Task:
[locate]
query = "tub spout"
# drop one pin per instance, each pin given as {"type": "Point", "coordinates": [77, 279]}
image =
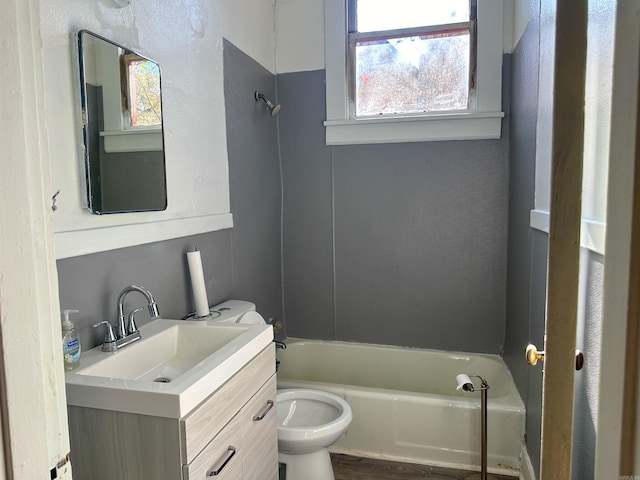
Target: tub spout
{"type": "Point", "coordinates": [280, 344]}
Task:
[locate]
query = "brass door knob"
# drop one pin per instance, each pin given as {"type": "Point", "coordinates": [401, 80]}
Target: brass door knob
{"type": "Point", "coordinates": [533, 355]}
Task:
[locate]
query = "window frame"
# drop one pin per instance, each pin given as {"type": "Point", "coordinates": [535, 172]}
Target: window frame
{"type": "Point", "coordinates": [353, 36]}
{"type": "Point", "coordinates": [482, 121]}
{"type": "Point", "coordinates": [115, 133]}
{"type": "Point", "coordinates": [129, 104]}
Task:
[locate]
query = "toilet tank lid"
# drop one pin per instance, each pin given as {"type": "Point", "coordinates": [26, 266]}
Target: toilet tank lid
{"type": "Point", "coordinates": [232, 310]}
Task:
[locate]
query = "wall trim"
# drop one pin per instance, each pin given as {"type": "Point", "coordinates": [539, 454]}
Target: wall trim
{"type": "Point", "coordinates": [84, 242]}
{"type": "Point", "coordinates": [592, 232]}
{"type": "Point", "coordinates": [425, 128]}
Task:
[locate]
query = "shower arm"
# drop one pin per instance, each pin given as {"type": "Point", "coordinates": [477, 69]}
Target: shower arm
{"type": "Point", "coordinates": [274, 109]}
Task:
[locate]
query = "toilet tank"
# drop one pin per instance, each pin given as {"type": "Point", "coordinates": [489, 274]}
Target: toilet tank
{"type": "Point", "coordinates": [237, 311]}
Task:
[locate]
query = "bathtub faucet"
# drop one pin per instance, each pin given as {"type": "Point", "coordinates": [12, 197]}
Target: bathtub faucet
{"type": "Point", "coordinates": [281, 345]}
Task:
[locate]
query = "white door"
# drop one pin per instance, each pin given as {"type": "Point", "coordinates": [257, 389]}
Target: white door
{"type": "Point", "coordinates": [564, 244]}
{"type": "Point", "coordinates": [564, 239]}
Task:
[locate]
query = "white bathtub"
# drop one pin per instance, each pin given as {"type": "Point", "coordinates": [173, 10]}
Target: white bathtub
{"type": "Point", "coordinates": [405, 404]}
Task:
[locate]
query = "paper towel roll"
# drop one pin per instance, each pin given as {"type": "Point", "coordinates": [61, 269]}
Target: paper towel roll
{"type": "Point", "coordinates": [462, 380]}
{"type": "Point", "coordinates": [197, 284]}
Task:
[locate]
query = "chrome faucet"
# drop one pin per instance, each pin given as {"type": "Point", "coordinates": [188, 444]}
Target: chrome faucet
{"type": "Point", "coordinates": [121, 331]}
{"type": "Point", "coordinates": [125, 335]}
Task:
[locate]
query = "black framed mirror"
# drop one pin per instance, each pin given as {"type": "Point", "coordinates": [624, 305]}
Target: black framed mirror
{"type": "Point", "coordinates": [122, 128]}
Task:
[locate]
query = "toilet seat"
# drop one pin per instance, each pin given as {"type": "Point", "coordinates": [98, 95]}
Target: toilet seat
{"type": "Point", "coordinates": [309, 420]}
{"type": "Point", "coordinates": [306, 413]}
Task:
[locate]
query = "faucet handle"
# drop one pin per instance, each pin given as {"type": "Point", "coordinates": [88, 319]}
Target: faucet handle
{"type": "Point", "coordinates": [109, 336]}
{"type": "Point", "coordinates": [131, 323]}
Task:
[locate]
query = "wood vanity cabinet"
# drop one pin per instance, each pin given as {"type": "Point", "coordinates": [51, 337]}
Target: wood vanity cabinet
{"type": "Point", "coordinates": [231, 435]}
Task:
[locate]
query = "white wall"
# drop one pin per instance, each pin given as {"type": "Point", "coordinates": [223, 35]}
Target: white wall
{"type": "Point", "coordinates": [249, 25]}
{"type": "Point", "coordinates": [523, 12]}
{"type": "Point", "coordinates": [300, 33]}
{"type": "Point", "coordinates": [185, 38]}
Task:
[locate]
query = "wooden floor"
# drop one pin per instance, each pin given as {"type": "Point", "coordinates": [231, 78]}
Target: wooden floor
{"type": "Point", "coordinates": [346, 467]}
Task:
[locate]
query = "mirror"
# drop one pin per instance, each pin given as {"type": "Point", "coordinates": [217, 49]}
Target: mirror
{"type": "Point", "coordinates": [121, 128]}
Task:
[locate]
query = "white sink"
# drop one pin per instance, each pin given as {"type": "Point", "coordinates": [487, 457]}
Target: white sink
{"type": "Point", "coordinates": [174, 367]}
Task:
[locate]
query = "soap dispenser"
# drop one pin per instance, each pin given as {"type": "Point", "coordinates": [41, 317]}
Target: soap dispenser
{"type": "Point", "coordinates": [71, 348]}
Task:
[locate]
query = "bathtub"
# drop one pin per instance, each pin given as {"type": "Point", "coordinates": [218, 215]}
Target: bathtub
{"type": "Point", "coordinates": [405, 404]}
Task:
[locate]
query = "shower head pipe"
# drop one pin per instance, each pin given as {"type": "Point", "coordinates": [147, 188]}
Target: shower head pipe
{"type": "Point", "coordinates": [274, 110]}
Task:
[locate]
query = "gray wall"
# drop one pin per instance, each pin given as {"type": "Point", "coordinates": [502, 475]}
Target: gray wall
{"type": "Point", "coordinates": [91, 283]}
{"type": "Point", "coordinates": [527, 260]}
{"type": "Point", "coordinates": [254, 178]}
{"type": "Point", "coordinates": [524, 116]}
{"type": "Point", "coordinates": [587, 383]}
{"type": "Point", "coordinates": [243, 263]}
{"type": "Point", "coordinates": [399, 244]}
{"type": "Point", "coordinates": [527, 274]}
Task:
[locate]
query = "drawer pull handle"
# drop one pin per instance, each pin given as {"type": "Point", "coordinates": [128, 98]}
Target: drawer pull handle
{"type": "Point", "coordinates": [214, 473]}
{"type": "Point", "coordinates": [266, 410]}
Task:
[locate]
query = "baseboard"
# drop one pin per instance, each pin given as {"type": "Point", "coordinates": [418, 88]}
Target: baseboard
{"type": "Point", "coordinates": [527, 471]}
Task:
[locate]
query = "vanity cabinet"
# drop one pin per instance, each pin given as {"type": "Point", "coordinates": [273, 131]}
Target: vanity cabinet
{"type": "Point", "coordinates": [232, 434]}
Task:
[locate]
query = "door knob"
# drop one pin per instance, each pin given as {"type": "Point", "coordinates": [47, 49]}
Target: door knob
{"type": "Point", "coordinates": [533, 355]}
{"type": "Point", "coordinates": [579, 359]}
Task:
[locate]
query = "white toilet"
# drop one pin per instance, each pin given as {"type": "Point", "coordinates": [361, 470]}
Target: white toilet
{"type": "Point", "coordinates": [309, 421]}
{"type": "Point", "coordinates": [236, 311]}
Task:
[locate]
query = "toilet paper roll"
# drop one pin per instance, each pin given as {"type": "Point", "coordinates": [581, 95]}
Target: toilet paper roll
{"type": "Point", "coordinates": [463, 379]}
{"type": "Point", "coordinates": [197, 283]}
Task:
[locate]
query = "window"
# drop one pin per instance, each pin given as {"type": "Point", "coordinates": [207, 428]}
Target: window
{"type": "Point", "coordinates": [413, 70]}
{"type": "Point", "coordinates": [132, 104]}
{"type": "Point", "coordinates": [140, 92]}
{"type": "Point", "coordinates": [410, 56]}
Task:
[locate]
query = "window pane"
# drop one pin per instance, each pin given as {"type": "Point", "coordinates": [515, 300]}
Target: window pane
{"type": "Point", "coordinates": [144, 93]}
{"type": "Point", "coordinates": [413, 74]}
{"type": "Point", "coordinates": [375, 15]}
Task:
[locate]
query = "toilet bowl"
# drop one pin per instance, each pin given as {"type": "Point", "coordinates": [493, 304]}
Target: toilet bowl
{"type": "Point", "coordinates": [309, 421]}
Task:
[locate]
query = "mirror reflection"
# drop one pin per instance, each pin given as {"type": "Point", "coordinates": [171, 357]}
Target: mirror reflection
{"type": "Point", "coordinates": [122, 128]}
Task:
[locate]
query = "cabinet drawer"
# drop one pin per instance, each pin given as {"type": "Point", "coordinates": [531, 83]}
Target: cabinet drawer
{"type": "Point", "coordinates": [221, 458]}
{"type": "Point", "coordinates": [202, 424]}
{"type": "Point", "coordinates": [260, 434]}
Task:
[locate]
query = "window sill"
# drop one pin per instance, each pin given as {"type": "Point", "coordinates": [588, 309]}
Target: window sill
{"type": "Point", "coordinates": [477, 126]}
{"type": "Point", "coordinates": [141, 140]}
{"type": "Point", "coordinates": [592, 232]}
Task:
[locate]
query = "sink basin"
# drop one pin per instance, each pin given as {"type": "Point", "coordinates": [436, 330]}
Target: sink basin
{"type": "Point", "coordinates": [166, 355]}
{"type": "Point", "coordinates": [174, 367]}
